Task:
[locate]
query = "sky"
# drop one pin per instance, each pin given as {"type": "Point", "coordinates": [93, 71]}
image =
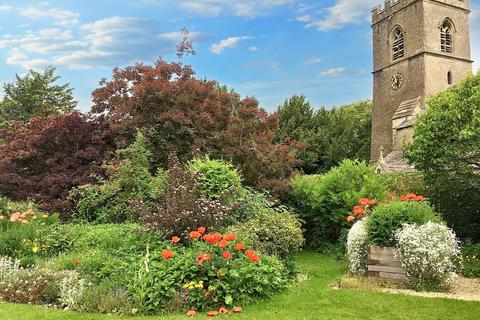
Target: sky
{"type": "Point", "coordinates": [269, 49]}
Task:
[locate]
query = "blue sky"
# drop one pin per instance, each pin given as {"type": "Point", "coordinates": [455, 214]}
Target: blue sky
{"type": "Point", "coordinates": [270, 49]}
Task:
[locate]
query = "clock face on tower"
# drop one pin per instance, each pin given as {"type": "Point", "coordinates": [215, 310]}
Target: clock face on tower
{"type": "Point", "coordinates": [397, 81]}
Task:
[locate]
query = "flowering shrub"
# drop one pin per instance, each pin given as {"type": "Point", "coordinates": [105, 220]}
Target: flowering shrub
{"type": "Point", "coordinates": [471, 260]}
{"type": "Point", "coordinates": [361, 209]}
{"type": "Point", "coordinates": [429, 253]}
{"type": "Point", "coordinates": [385, 219]}
{"type": "Point", "coordinates": [215, 270]}
{"type": "Point", "coordinates": [357, 248]}
{"type": "Point", "coordinates": [9, 270]}
{"type": "Point", "coordinates": [72, 288]}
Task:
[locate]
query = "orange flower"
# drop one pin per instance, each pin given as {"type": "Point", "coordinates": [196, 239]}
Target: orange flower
{"type": "Point", "coordinates": [350, 218]}
{"type": "Point", "coordinates": [167, 254]}
{"type": "Point", "coordinates": [206, 294]}
{"type": "Point", "coordinates": [15, 216]}
{"type": "Point", "coordinates": [191, 313]}
{"type": "Point", "coordinates": [364, 202]}
{"type": "Point", "coordinates": [237, 309]}
{"type": "Point", "coordinates": [212, 313]}
{"type": "Point", "coordinates": [239, 246]}
{"type": "Point", "coordinates": [175, 239]}
{"type": "Point", "coordinates": [76, 262]}
{"type": "Point", "coordinates": [224, 311]}
{"type": "Point", "coordinates": [202, 257]}
{"type": "Point", "coordinates": [411, 196]}
{"type": "Point", "coordinates": [226, 254]}
{"type": "Point", "coordinates": [210, 238]}
{"type": "Point", "coordinates": [201, 229]}
{"type": "Point", "coordinates": [223, 243]}
{"type": "Point", "coordinates": [403, 198]}
{"type": "Point", "coordinates": [218, 236]}
{"type": "Point", "coordinates": [372, 202]}
{"type": "Point", "coordinates": [254, 258]}
{"type": "Point", "coordinates": [358, 211]}
{"type": "Point", "coordinates": [230, 237]}
{"type": "Point", "coordinates": [195, 234]}
{"type": "Point", "coordinates": [24, 222]}
{"type": "Point", "coordinates": [249, 252]}
{"type": "Point", "coordinates": [419, 198]}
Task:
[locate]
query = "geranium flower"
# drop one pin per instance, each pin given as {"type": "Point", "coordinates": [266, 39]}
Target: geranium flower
{"type": "Point", "coordinates": [237, 309]}
{"type": "Point", "coordinates": [239, 246]}
{"type": "Point", "coordinates": [363, 202]}
{"type": "Point", "coordinates": [191, 313]}
{"type": "Point", "coordinates": [201, 229]}
{"type": "Point", "coordinates": [230, 237]}
{"type": "Point", "coordinates": [223, 311]}
{"type": "Point", "coordinates": [212, 313]}
{"type": "Point", "coordinates": [210, 238]}
{"type": "Point", "coordinates": [195, 234]}
{"type": "Point", "coordinates": [167, 254]}
{"type": "Point", "coordinates": [226, 254]}
{"type": "Point", "coordinates": [350, 218]}
{"type": "Point", "coordinates": [223, 243]}
{"type": "Point", "coordinates": [176, 239]}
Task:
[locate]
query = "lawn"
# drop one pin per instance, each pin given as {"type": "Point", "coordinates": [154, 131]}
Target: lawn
{"type": "Point", "coordinates": [311, 299]}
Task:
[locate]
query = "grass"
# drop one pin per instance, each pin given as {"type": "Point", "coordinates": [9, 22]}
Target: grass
{"type": "Point", "coordinates": [311, 299]}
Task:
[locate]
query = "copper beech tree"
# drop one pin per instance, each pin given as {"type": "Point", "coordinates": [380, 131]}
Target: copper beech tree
{"type": "Point", "coordinates": [179, 113]}
{"type": "Point", "coordinates": [44, 158]}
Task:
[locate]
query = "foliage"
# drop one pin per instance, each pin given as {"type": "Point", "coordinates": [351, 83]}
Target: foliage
{"type": "Point", "coordinates": [357, 248]}
{"type": "Point", "coordinates": [130, 180]}
{"type": "Point", "coordinates": [429, 253]}
{"type": "Point", "coordinates": [386, 219]}
{"type": "Point", "coordinates": [471, 260]}
{"type": "Point", "coordinates": [182, 206]}
{"type": "Point", "coordinates": [215, 177]}
{"type": "Point", "coordinates": [211, 272]}
{"type": "Point", "coordinates": [251, 204]}
{"type": "Point", "coordinates": [34, 94]}
{"type": "Point", "coordinates": [329, 136]}
{"type": "Point", "coordinates": [276, 233]}
{"type": "Point", "coordinates": [405, 182]}
{"type": "Point", "coordinates": [446, 149]}
{"type": "Point", "coordinates": [72, 288]}
{"type": "Point", "coordinates": [43, 159]}
{"type": "Point", "coordinates": [324, 201]}
{"type": "Point", "coordinates": [181, 114]}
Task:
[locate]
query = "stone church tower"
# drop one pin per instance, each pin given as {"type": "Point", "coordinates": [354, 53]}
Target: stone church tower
{"type": "Point", "coordinates": [420, 47]}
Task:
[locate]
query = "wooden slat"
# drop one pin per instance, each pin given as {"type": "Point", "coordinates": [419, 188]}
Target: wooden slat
{"type": "Point", "coordinates": [387, 269]}
{"type": "Point", "coordinates": [383, 264]}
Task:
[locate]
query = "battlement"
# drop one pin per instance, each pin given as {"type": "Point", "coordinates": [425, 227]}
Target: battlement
{"type": "Point", "coordinates": [391, 6]}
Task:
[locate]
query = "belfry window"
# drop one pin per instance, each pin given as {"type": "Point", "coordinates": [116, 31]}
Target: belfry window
{"type": "Point", "coordinates": [398, 44]}
{"type": "Point", "coordinates": [450, 77]}
{"type": "Point", "coordinates": [446, 37]}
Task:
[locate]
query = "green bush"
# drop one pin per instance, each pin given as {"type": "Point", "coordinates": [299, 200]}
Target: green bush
{"type": "Point", "coordinates": [324, 201]}
{"type": "Point", "coordinates": [251, 204]}
{"type": "Point", "coordinates": [185, 281]}
{"type": "Point", "coordinates": [215, 176]}
{"type": "Point", "coordinates": [385, 220]}
{"type": "Point", "coordinates": [402, 183]}
{"type": "Point", "coordinates": [109, 201]}
{"type": "Point", "coordinates": [471, 260]}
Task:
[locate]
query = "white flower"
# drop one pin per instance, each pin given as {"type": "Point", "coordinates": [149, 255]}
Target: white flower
{"type": "Point", "coordinates": [357, 248]}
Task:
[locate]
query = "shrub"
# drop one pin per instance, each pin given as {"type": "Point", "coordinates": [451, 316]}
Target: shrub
{"type": "Point", "coordinates": [212, 272]}
{"type": "Point", "coordinates": [325, 200]}
{"type": "Point", "coordinates": [182, 207]}
{"type": "Point", "coordinates": [386, 219]}
{"type": "Point", "coordinates": [429, 253]}
{"type": "Point", "coordinates": [251, 204]}
{"type": "Point", "coordinates": [109, 201]}
{"type": "Point", "coordinates": [357, 248]}
{"type": "Point", "coordinates": [276, 233]}
{"type": "Point", "coordinates": [215, 177]}
{"type": "Point", "coordinates": [72, 288]}
{"type": "Point", "coordinates": [471, 260]}
{"type": "Point", "coordinates": [405, 182]}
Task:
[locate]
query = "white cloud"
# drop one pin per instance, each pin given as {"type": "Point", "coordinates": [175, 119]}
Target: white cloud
{"type": "Point", "coordinates": [334, 72]}
{"type": "Point", "coordinates": [342, 13]}
{"type": "Point", "coordinates": [230, 42]}
{"type": "Point", "coordinates": [4, 7]}
{"type": "Point", "coordinates": [313, 61]}
{"type": "Point", "coordinates": [60, 17]}
{"type": "Point", "coordinates": [253, 49]}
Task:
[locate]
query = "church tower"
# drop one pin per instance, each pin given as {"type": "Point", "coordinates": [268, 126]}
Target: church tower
{"type": "Point", "coordinates": [420, 47]}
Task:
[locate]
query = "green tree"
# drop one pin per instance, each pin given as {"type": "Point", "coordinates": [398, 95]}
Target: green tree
{"type": "Point", "coordinates": [34, 94]}
{"type": "Point", "coordinates": [446, 149]}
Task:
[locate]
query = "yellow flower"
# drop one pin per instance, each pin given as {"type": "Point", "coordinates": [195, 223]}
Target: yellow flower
{"type": "Point", "coordinates": [35, 249]}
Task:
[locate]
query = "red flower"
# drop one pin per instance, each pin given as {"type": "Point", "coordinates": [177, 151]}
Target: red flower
{"type": "Point", "coordinates": [191, 313]}
{"type": "Point", "coordinates": [358, 211]}
{"type": "Point", "coordinates": [224, 311]}
{"type": "Point", "coordinates": [350, 218]}
{"type": "Point", "coordinates": [372, 202]}
{"type": "Point", "coordinates": [76, 262]}
{"type": "Point", "coordinates": [237, 309]}
{"type": "Point", "coordinates": [175, 239]}
{"type": "Point", "coordinates": [403, 198]}
{"type": "Point", "coordinates": [201, 229]}
{"type": "Point", "coordinates": [239, 246]}
{"type": "Point", "coordinates": [202, 257]}
{"type": "Point", "coordinates": [206, 294]}
{"type": "Point", "coordinates": [218, 236]}
{"type": "Point", "coordinates": [364, 202]}
{"type": "Point", "coordinates": [223, 243]}
{"type": "Point", "coordinates": [254, 258]}
{"type": "Point", "coordinates": [249, 253]}
{"type": "Point", "coordinates": [210, 238]}
{"type": "Point", "coordinates": [419, 198]}
{"type": "Point", "coordinates": [411, 196]}
{"type": "Point", "coordinates": [230, 237]}
{"type": "Point", "coordinates": [212, 313]}
{"type": "Point", "coordinates": [226, 254]}
{"type": "Point", "coordinates": [167, 254]}
{"type": "Point", "coordinates": [195, 234]}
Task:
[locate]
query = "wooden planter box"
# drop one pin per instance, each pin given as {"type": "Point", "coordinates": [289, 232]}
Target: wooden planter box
{"type": "Point", "coordinates": [383, 265]}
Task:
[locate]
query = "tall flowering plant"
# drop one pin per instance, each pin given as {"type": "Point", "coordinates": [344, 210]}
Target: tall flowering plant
{"type": "Point", "coordinates": [361, 209]}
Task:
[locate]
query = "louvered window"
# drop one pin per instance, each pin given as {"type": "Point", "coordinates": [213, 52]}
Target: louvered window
{"type": "Point", "coordinates": [398, 44]}
{"type": "Point", "coordinates": [446, 37]}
